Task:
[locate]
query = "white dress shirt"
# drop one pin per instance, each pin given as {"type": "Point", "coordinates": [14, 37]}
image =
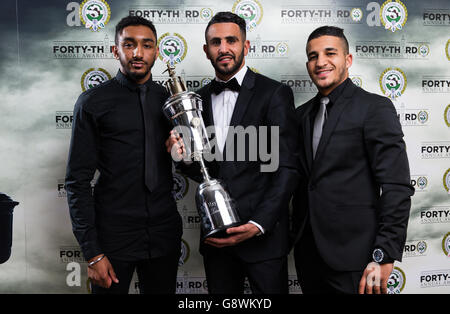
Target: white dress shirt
{"type": "Point", "coordinates": [222, 107]}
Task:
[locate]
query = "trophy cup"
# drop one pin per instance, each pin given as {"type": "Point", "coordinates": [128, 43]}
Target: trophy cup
{"type": "Point", "coordinates": [215, 206]}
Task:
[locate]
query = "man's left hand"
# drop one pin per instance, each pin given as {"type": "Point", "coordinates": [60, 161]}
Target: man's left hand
{"type": "Point", "coordinates": [375, 278]}
{"type": "Point", "coordinates": [237, 235]}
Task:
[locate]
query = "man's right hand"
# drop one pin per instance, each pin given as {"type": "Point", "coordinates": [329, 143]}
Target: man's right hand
{"type": "Point", "coordinates": [102, 273]}
{"type": "Point", "coordinates": [175, 146]}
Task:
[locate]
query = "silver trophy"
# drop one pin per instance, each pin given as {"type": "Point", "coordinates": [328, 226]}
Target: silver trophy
{"type": "Point", "coordinates": [216, 208]}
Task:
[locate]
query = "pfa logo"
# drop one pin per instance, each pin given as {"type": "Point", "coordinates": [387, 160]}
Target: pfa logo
{"type": "Point", "coordinates": [422, 116]}
{"type": "Point", "coordinates": [422, 183]}
{"type": "Point", "coordinates": [396, 281]}
{"type": "Point", "coordinates": [93, 77]}
{"type": "Point", "coordinates": [206, 14]}
{"type": "Point", "coordinates": [282, 49]}
{"type": "Point", "coordinates": [357, 80]}
{"type": "Point", "coordinates": [393, 82]}
{"type": "Point", "coordinates": [180, 186]}
{"type": "Point", "coordinates": [446, 244]}
{"type": "Point", "coordinates": [95, 14]}
{"type": "Point", "coordinates": [356, 14]}
{"type": "Point", "coordinates": [172, 48]}
{"type": "Point", "coordinates": [446, 180]}
{"type": "Point", "coordinates": [447, 49]}
{"type": "Point", "coordinates": [185, 252]}
{"type": "Point", "coordinates": [447, 115]}
{"type": "Point", "coordinates": [424, 50]}
{"type": "Point", "coordinates": [421, 247]}
{"type": "Point", "coordinates": [393, 15]}
{"type": "Point", "coordinates": [250, 10]}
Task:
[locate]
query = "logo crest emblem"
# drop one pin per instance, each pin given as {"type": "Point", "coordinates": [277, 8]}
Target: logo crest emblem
{"type": "Point", "coordinates": [95, 14]}
{"type": "Point", "coordinates": [422, 116]}
{"type": "Point", "coordinates": [356, 14]}
{"type": "Point", "coordinates": [357, 81]}
{"type": "Point", "coordinates": [424, 50]}
{"type": "Point", "coordinates": [446, 244]}
{"type": "Point", "coordinates": [93, 77]}
{"type": "Point", "coordinates": [172, 48]}
{"type": "Point", "coordinates": [447, 49]}
{"type": "Point", "coordinates": [206, 14]}
{"type": "Point", "coordinates": [180, 186]}
{"type": "Point", "coordinates": [185, 252]}
{"type": "Point", "coordinates": [205, 81]}
{"type": "Point", "coordinates": [396, 281]}
{"type": "Point", "coordinates": [393, 82]}
{"type": "Point", "coordinates": [446, 180]}
{"type": "Point", "coordinates": [393, 15]}
{"type": "Point", "coordinates": [447, 115]}
{"type": "Point", "coordinates": [422, 182]}
{"type": "Point", "coordinates": [282, 48]}
{"type": "Point", "coordinates": [250, 10]}
{"type": "Point", "coordinates": [421, 247]}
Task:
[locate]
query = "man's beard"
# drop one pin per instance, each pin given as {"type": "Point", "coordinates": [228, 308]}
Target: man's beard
{"type": "Point", "coordinates": [135, 76]}
{"type": "Point", "coordinates": [231, 70]}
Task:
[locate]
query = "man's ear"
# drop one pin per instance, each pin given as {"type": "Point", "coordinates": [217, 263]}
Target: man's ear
{"type": "Point", "coordinates": [348, 60]}
{"type": "Point", "coordinates": [115, 52]}
{"type": "Point", "coordinates": [246, 47]}
{"type": "Point", "coordinates": [205, 49]}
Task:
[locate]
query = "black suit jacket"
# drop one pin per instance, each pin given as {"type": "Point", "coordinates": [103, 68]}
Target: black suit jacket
{"type": "Point", "coordinates": [121, 218]}
{"type": "Point", "coordinates": [357, 190]}
{"type": "Point", "coordinates": [260, 196]}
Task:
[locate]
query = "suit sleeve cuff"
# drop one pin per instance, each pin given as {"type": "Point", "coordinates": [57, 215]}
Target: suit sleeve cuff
{"type": "Point", "coordinates": [261, 229]}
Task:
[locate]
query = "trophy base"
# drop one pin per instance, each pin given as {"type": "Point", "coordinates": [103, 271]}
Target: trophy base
{"type": "Point", "coordinates": [220, 232]}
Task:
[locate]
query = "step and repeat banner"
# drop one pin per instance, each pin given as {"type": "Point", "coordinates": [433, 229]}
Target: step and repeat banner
{"type": "Point", "coordinates": [55, 49]}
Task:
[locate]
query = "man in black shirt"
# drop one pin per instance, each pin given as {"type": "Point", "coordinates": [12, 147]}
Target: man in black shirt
{"type": "Point", "coordinates": [130, 221]}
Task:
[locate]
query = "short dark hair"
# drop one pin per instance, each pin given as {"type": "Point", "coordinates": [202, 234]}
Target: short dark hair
{"type": "Point", "coordinates": [329, 31]}
{"type": "Point", "coordinates": [228, 17]}
{"type": "Point", "coordinates": [132, 21]}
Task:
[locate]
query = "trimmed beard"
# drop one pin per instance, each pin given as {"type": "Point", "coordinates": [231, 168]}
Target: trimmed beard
{"type": "Point", "coordinates": [233, 69]}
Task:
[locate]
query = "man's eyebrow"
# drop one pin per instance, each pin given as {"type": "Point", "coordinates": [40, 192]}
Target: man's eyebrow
{"type": "Point", "coordinates": [326, 49]}
{"type": "Point", "coordinates": [226, 38]}
{"type": "Point", "coordinates": [134, 39]}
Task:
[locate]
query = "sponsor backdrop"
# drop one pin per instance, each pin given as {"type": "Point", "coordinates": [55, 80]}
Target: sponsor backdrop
{"type": "Point", "coordinates": [54, 49]}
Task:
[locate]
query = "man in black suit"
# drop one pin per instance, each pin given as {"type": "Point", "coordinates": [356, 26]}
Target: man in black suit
{"type": "Point", "coordinates": [130, 221]}
{"type": "Point", "coordinates": [258, 248]}
{"type": "Point", "coordinates": [352, 206]}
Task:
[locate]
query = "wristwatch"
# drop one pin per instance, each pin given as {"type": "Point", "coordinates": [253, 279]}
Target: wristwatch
{"type": "Point", "coordinates": [380, 257]}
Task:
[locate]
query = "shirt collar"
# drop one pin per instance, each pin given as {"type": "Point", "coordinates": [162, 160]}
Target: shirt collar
{"type": "Point", "coordinates": [239, 76]}
{"type": "Point", "coordinates": [335, 93]}
{"type": "Point", "coordinates": [126, 81]}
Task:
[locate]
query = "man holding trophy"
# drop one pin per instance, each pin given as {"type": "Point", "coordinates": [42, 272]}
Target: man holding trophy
{"type": "Point", "coordinates": [243, 202]}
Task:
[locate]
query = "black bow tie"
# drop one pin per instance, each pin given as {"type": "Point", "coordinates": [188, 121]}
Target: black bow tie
{"type": "Point", "coordinates": [218, 87]}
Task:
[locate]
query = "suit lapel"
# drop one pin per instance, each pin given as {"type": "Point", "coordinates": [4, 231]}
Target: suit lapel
{"type": "Point", "coordinates": [306, 125]}
{"type": "Point", "coordinates": [330, 125]}
{"type": "Point", "coordinates": [208, 117]}
{"type": "Point", "coordinates": [245, 95]}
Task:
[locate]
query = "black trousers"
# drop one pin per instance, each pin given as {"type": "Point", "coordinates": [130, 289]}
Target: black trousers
{"type": "Point", "coordinates": [315, 276]}
{"type": "Point", "coordinates": [155, 276]}
{"type": "Point", "coordinates": [226, 272]}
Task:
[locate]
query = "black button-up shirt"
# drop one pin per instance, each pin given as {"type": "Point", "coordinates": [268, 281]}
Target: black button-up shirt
{"type": "Point", "coordinates": [121, 217]}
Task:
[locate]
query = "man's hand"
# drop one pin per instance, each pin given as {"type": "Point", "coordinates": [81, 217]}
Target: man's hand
{"type": "Point", "coordinates": [102, 273]}
{"type": "Point", "coordinates": [175, 146]}
{"type": "Point", "coordinates": [237, 235]}
{"type": "Point", "coordinates": [375, 278]}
